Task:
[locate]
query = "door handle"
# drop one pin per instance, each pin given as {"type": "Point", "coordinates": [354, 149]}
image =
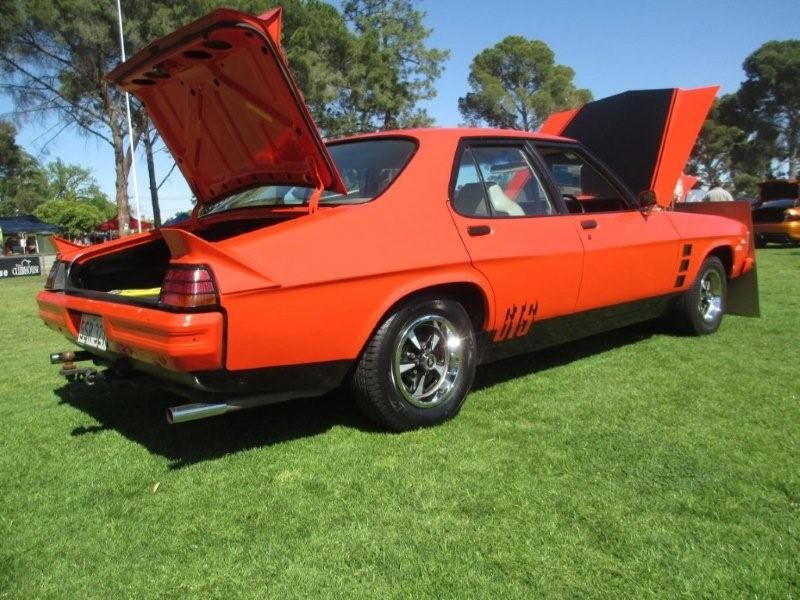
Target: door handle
{"type": "Point", "coordinates": [590, 224]}
{"type": "Point", "coordinates": [476, 230]}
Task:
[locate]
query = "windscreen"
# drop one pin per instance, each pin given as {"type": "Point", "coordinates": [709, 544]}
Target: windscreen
{"type": "Point", "coordinates": [368, 168]}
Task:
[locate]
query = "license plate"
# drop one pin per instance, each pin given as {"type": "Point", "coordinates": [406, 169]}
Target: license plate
{"type": "Point", "coordinates": [91, 332]}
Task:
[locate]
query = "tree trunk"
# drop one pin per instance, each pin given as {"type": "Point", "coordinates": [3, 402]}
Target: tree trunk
{"type": "Point", "coordinates": [151, 173]}
{"type": "Point", "coordinates": [121, 184]}
{"type": "Point", "coordinates": [121, 165]}
{"type": "Point", "coordinates": [389, 120]}
{"type": "Point", "coordinates": [793, 145]}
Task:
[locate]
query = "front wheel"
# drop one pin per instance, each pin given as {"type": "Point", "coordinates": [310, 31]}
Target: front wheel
{"type": "Point", "coordinates": [701, 308]}
{"type": "Point", "coordinates": [418, 366]}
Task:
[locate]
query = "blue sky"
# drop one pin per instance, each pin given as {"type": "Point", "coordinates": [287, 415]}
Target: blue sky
{"type": "Point", "coordinates": [612, 46]}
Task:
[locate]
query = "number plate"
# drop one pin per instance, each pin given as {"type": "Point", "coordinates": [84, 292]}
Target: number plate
{"type": "Point", "coordinates": [92, 333]}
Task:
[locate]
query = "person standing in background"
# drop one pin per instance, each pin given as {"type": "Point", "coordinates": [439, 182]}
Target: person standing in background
{"type": "Point", "coordinates": [717, 194]}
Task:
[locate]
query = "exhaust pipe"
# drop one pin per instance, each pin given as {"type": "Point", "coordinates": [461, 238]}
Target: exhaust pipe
{"type": "Point", "coordinates": [193, 412]}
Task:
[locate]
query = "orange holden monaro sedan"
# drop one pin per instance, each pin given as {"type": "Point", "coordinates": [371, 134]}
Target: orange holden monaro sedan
{"type": "Point", "coordinates": [397, 261]}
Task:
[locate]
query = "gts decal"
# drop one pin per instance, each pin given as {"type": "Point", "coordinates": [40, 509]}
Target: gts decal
{"type": "Point", "coordinates": [518, 321]}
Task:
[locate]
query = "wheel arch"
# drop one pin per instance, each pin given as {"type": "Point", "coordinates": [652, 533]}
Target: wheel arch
{"type": "Point", "coordinates": [475, 296]}
{"type": "Point", "coordinates": [469, 294]}
{"type": "Point", "coordinates": [725, 255]}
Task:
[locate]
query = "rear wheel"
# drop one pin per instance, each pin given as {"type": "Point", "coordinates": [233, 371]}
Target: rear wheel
{"type": "Point", "coordinates": [418, 366]}
{"type": "Point", "coordinates": [702, 306]}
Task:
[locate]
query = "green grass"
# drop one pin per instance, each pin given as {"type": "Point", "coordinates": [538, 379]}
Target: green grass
{"type": "Point", "coordinates": [635, 464]}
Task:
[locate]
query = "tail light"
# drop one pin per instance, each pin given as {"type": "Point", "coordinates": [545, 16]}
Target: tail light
{"type": "Point", "coordinates": [791, 217]}
{"type": "Point", "coordinates": [188, 287]}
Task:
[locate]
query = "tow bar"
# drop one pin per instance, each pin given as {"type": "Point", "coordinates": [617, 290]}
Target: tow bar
{"type": "Point", "coordinates": [72, 372]}
{"type": "Point", "coordinates": [69, 356]}
{"type": "Point", "coordinates": [175, 414]}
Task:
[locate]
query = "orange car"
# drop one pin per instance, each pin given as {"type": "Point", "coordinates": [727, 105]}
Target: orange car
{"type": "Point", "coordinates": [397, 261]}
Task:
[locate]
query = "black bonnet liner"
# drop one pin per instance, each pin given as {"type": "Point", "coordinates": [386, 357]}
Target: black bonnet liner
{"type": "Point", "coordinates": [625, 132]}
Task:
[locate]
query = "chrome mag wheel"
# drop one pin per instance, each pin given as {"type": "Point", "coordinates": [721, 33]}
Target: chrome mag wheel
{"type": "Point", "coordinates": [710, 297]}
{"type": "Point", "coordinates": [427, 361]}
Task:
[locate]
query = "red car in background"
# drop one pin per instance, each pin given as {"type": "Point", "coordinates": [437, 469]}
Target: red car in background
{"type": "Point", "coordinates": [396, 261]}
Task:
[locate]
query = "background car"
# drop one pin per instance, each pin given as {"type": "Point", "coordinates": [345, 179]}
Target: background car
{"type": "Point", "coordinates": [776, 216]}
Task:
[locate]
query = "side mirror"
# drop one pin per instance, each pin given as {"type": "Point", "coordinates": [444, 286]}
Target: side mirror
{"type": "Point", "coordinates": [646, 199]}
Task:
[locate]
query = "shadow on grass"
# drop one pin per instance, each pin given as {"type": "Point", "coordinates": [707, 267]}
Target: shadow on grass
{"type": "Point", "coordinates": [136, 409]}
{"type": "Point", "coordinates": [556, 356]}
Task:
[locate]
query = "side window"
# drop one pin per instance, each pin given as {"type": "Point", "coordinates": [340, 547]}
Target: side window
{"type": "Point", "coordinates": [469, 197]}
{"type": "Point", "coordinates": [584, 188]}
{"type": "Point", "coordinates": [500, 182]}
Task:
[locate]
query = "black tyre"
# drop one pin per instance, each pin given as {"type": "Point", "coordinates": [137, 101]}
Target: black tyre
{"type": "Point", "coordinates": [702, 306]}
{"type": "Point", "coordinates": [418, 367]}
{"type": "Point", "coordinates": [760, 242]}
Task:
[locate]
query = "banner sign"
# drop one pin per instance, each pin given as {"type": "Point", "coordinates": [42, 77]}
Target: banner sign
{"type": "Point", "coordinates": [19, 266]}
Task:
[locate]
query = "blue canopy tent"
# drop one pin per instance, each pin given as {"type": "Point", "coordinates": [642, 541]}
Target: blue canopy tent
{"type": "Point", "coordinates": [28, 225]}
{"type": "Point", "coordinates": [25, 224]}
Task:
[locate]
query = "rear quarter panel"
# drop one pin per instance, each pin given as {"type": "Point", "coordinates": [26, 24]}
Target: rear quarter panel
{"type": "Point", "coordinates": [341, 269]}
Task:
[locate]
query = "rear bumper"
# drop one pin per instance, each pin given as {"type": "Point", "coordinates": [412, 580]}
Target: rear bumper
{"type": "Point", "coordinates": [180, 342]}
{"type": "Point", "coordinates": [272, 384]}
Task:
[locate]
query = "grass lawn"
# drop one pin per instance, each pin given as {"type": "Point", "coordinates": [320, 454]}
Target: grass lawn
{"type": "Point", "coordinates": [635, 464]}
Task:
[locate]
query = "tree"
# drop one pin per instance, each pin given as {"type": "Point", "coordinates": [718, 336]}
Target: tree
{"type": "Point", "coordinates": [55, 56]}
{"type": "Point", "coordinates": [74, 218]}
{"type": "Point", "coordinates": [770, 95]}
{"type": "Point", "coordinates": [10, 152]}
{"type": "Point", "coordinates": [516, 84]}
{"type": "Point", "coordinates": [23, 184]}
{"type": "Point", "coordinates": [74, 183]}
{"type": "Point", "coordinates": [713, 156]}
{"type": "Point", "coordinates": [755, 156]}
{"type": "Point", "coordinates": [320, 50]}
{"type": "Point", "coordinates": [70, 182]}
{"type": "Point", "coordinates": [393, 69]}
{"type": "Point", "coordinates": [754, 134]}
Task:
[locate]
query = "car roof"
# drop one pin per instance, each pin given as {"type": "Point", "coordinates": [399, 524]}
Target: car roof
{"type": "Point", "coordinates": [454, 132]}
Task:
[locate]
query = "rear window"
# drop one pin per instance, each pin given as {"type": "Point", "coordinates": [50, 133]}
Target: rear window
{"type": "Point", "coordinates": [367, 168]}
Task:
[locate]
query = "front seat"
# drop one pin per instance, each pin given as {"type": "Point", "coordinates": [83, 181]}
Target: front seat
{"type": "Point", "coordinates": [502, 203]}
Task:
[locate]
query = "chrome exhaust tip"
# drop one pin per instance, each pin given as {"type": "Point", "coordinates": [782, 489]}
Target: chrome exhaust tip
{"type": "Point", "coordinates": [193, 412]}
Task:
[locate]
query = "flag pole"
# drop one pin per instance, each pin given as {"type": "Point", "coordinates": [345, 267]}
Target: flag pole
{"type": "Point", "coordinates": [130, 127]}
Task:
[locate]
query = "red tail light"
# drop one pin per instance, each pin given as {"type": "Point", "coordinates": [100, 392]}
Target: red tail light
{"type": "Point", "coordinates": [791, 217]}
{"type": "Point", "coordinates": [188, 287]}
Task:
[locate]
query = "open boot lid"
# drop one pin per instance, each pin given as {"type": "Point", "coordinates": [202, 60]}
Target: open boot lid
{"type": "Point", "coordinates": [220, 93]}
